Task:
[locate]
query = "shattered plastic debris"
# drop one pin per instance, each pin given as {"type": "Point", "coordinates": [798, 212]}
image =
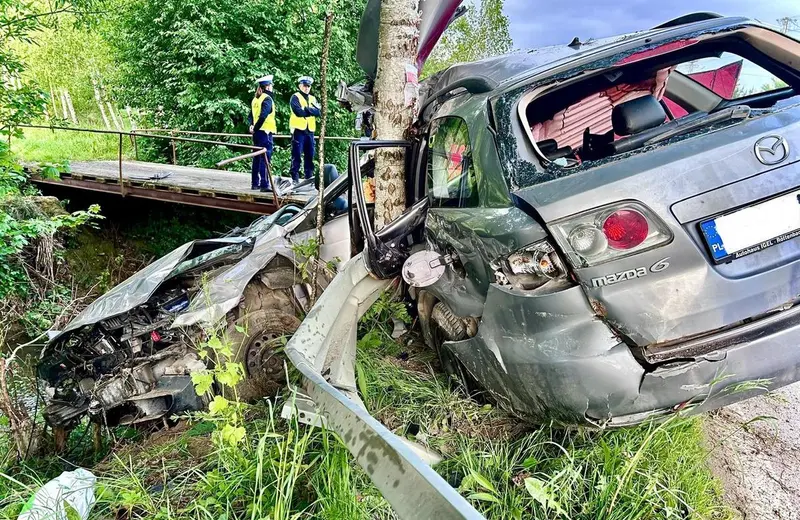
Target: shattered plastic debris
{"type": "Point", "coordinates": [399, 328]}
{"type": "Point", "coordinates": [74, 488]}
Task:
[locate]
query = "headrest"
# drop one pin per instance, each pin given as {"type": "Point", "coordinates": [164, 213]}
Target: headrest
{"type": "Point", "coordinates": [637, 115]}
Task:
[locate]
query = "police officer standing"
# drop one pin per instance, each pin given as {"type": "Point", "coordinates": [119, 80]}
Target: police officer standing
{"type": "Point", "coordinates": [302, 124]}
{"type": "Point", "coordinates": [262, 127]}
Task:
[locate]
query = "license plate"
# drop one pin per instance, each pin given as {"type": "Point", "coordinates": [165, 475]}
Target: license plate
{"type": "Point", "coordinates": [753, 229]}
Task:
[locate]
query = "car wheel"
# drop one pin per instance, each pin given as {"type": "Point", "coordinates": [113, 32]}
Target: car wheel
{"type": "Point", "coordinates": [257, 339]}
{"type": "Point", "coordinates": [444, 326]}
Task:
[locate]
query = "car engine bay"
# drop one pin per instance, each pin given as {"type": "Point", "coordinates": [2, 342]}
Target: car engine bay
{"type": "Point", "coordinates": [125, 369]}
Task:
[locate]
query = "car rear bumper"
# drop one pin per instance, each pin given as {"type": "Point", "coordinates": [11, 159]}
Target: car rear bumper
{"type": "Point", "coordinates": [550, 357]}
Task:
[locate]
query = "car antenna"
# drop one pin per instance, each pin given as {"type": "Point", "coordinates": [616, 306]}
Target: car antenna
{"type": "Point", "coordinates": [576, 42]}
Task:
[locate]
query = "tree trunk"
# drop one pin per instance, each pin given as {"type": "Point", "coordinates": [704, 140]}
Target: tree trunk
{"type": "Point", "coordinates": [64, 111]}
{"type": "Point", "coordinates": [114, 117]}
{"type": "Point", "coordinates": [395, 98]}
{"type": "Point", "coordinates": [20, 424]}
{"type": "Point", "coordinates": [130, 117]}
{"type": "Point", "coordinates": [53, 101]}
{"type": "Point", "coordinates": [70, 107]}
{"type": "Point", "coordinates": [100, 104]}
{"type": "Point", "coordinates": [323, 122]}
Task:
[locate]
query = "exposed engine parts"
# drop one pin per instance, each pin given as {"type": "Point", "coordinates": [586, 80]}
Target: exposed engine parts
{"type": "Point", "coordinates": [126, 369]}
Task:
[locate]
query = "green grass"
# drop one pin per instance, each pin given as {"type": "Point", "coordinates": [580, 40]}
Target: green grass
{"type": "Point", "coordinates": [507, 471]}
{"type": "Point", "coordinates": [646, 472]}
{"type": "Point", "coordinates": [57, 146]}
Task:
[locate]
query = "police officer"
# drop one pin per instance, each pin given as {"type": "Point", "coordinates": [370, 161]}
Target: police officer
{"type": "Point", "coordinates": [262, 127]}
{"type": "Point", "coordinates": [302, 124]}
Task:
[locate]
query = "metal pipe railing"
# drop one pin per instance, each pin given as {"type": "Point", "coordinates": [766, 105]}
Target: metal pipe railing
{"type": "Point", "coordinates": [222, 134]}
{"type": "Point", "coordinates": [257, 150]}
{"type": "Point", "coordinates": [137, 133]}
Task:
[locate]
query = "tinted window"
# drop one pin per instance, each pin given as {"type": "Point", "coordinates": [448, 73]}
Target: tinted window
{"type": "Point", "coordinates": [451, 174]}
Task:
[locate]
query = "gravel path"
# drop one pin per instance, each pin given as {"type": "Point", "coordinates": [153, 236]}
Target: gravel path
{"type": "Point", "coordinates": [756, 453]}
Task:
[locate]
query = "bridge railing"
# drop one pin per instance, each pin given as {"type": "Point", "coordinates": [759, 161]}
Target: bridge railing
{"type": "Point", "coordinates": [174, 137]}
{"type": "Point", "coordinates": [176, 132]}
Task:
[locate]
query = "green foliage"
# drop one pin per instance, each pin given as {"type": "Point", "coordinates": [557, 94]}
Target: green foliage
{"type": "Point", "coordinates": [482, 33]}
{"type": "Point", "coordinates": [57, 146]}
{"type": "Point", "coordinates": [70, 55]}
{"type": "Point", "coordinates": [21, 22]}
{"type": "Point", "coordinates": [226, 414]}
{"type": "Point", "coordinates": [191, 64]}
{"type": "Point", "coordinates": [18, 228]}
{"type": "Point", "coordinates": [306, 253]}
{"type": "Point", "coordinates": [384, 311]}
{"type": "Point", "coordinates": [21, 223]}
{"type": "Point", "coordinates": [159, 229]}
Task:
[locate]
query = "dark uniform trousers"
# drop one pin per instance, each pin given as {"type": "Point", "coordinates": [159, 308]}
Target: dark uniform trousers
{"type": "Point", "coordinates": [302, 144]}
{"type": "Point", "coordinates": [259, 173]}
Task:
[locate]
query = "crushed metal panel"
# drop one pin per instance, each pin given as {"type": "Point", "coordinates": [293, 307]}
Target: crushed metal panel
{"type": "Point", "coordinates": [569, 371]}
{"type": "Point", "coordinates": [326, 340]}
{"type": "Point", "coordinates": [134, 291]}
{"type": "Point", "coordinates": [223, 292]}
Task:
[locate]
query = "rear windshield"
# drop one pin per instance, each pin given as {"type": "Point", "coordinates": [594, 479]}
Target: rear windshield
{"type": "Point", "coordinates": [651, 98]}
{"type": "Point", "coordinates": [731, 76]}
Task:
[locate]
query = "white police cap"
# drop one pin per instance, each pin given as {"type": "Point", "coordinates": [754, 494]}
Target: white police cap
{"type": "Point", "coordinates": [265, 80]}
{"type": "Point", "coordinates": [308, 80]}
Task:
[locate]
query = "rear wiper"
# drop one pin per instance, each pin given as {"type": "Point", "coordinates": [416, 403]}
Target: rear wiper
{"type": "Point", "coordinates": [678, 127]}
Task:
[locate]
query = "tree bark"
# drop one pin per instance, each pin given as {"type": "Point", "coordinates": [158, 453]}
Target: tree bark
{"type": "Point", "coordinates": [70, 107]}
{"type": "Point", "coordinates": [100, 104]}
{"type": "Point", "coordinates": [53, 101]}
{"type": "Point", "coordinates": [114, 117]}
{"type": "Point", "coordinates": [64, 111]}
{"type": "Point", "coordinates": [395, 98]}
{"type": "Point", "coordinates": [323, 121]}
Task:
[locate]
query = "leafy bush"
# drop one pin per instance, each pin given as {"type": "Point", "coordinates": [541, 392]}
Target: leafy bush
{"type": "Point", "coordinates": [191, 64]}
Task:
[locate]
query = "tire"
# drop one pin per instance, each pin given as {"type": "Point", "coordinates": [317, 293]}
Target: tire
{"type": "Point", "coordinates": [265, 321]}
{"type": "Point", "coordinates": [444, 326]}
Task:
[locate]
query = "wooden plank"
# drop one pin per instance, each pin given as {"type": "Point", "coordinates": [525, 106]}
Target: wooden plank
{"type": "Point", "coordinates": [170, 183]}
{"type": "Point", "coordinates": [255, 207]}
{"type": "Point", "coordinates": [178, 179]}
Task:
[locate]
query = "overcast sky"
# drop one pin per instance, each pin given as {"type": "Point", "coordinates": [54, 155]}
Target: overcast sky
{"type": "Point", "coordinates": [547, 22]}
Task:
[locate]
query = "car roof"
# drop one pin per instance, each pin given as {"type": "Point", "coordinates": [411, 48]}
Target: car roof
{"type": "Point", "coordinates": [512, 68]}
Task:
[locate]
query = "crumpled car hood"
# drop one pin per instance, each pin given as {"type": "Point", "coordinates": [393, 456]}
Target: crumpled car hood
{"type": "Point", "coordinates": [220, 295]}
{"type": "Point", "coordinates": [223, 292]}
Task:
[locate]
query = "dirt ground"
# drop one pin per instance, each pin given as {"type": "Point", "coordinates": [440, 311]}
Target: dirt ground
{"type": "Point", "coordinates": [756, 453]}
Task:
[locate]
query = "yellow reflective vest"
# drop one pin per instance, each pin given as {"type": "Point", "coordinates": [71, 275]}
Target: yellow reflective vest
{"type": "Point", "coordinates": [302, 123]}
{"type": "Point", "coordinates": [269, 125]}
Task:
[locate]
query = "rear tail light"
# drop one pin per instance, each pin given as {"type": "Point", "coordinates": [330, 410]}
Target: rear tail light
{"type": "Point", "coordinates": [529, 268]}
{"type": "Point", "coordinates": [609, 233]}
{"type": "Point", "coordinates": [625, 229]}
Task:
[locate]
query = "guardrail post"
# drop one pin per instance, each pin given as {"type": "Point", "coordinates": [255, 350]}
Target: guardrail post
{"type": "Point", "coordinates": [121, 181]}
{"type": "Point", "coordinates": [174, 152]}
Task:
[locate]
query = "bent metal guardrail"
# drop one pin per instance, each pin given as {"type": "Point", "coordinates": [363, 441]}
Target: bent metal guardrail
{"type": "Point", "coordinates": [325, 343]}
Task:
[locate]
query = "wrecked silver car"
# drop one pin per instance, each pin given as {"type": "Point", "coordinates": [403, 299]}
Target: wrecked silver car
{"type": "Point", "coordinates": [611, 225]}
{"type": "Point", "coordinates": [128, 357]}
{"type": "Point", "coordinates": [598, 233]}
